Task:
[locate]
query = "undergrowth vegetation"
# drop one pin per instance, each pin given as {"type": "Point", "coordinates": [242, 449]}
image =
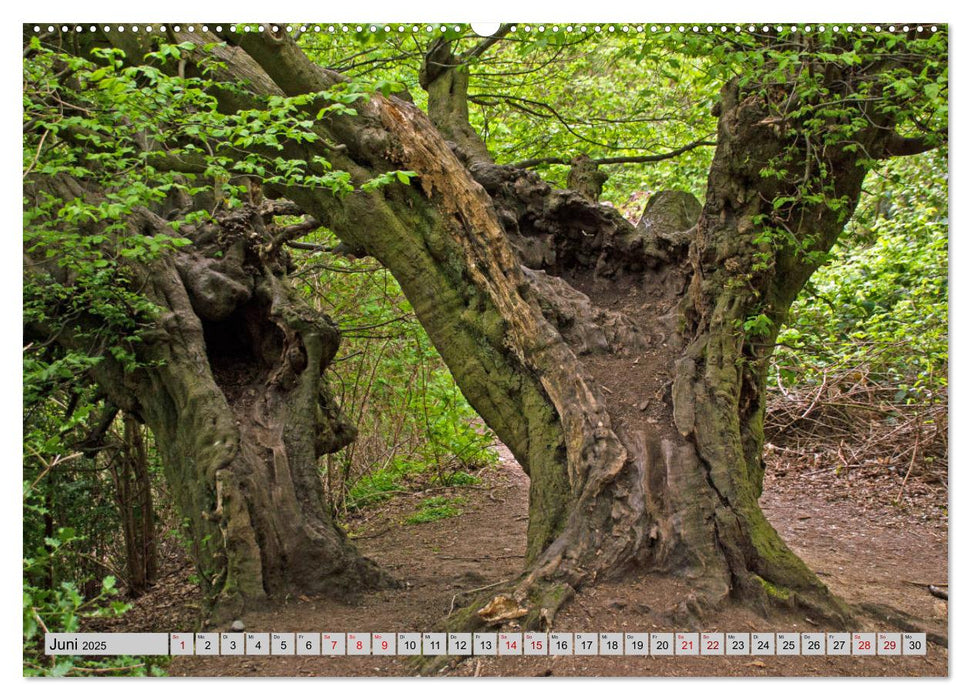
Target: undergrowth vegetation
{"type": "Point", "coordinates": [860, 374]}
{"type": "Point", "coordinates": [413, 424]}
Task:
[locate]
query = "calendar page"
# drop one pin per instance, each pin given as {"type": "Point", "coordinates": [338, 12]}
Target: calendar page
{"type": "Point", "coordinates": [448, 349]}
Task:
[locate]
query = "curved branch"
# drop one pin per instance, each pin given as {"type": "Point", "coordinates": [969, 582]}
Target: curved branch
{"type": "Point", "coordinates": [485, 44]}
{"type": "Point", "coordinates": [533, 162]}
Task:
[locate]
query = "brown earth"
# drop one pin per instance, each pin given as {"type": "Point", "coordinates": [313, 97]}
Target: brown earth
{"type": "Point", "coordinates": [842, 524]}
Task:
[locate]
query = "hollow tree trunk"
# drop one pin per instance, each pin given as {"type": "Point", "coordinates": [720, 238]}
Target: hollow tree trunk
{"type": "Point", "coordinates": [230, 382]}
{"type": "Point", "coordinates": [672, 487]}
{"type": "Point", "coordinates": [241, 413]}
{"type": "Point", "coordinates": [677, 471]}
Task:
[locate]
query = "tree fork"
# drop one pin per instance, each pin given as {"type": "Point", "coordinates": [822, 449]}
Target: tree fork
{"type": "Point", "coordinates": [634, 502]}
{"type": "Point", "coordinates": [672, 487]}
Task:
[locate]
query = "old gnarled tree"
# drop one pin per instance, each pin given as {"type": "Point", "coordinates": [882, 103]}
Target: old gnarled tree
{"type": "Point", "coordinates": [623, 365]}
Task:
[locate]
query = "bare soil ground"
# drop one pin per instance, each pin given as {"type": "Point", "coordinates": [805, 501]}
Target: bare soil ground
{"type": "Point", "coordinates": [843, 525]}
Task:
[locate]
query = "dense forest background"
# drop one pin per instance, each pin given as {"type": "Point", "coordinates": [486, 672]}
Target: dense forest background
{"type": "Point", "coordinates": [859, 376]}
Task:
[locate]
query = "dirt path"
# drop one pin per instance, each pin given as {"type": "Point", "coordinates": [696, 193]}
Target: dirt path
{"type": "Point", "coordinates": [866, 549]}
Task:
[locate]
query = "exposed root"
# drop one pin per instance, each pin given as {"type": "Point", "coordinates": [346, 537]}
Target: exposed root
{"type": "Point", "coordinates": [530, 607]}
{"type": "Point", "coordinates": [813, 600]}
{"type": "Point", "coordinates": [825, 607]}
{"type": "Point", "coordinates": [900, 620]}
{"type": "Point", "coordinates": [534, 606]}
{"type": "Point", "coordinates": [764, 597]}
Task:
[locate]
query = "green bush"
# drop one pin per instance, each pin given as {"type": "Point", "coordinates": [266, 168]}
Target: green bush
{"type": "Point", "coordinates": [879, 308]}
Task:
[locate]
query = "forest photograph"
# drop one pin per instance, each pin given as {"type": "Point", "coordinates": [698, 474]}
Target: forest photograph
{"type": "Point", "coordinates": [452, 350]}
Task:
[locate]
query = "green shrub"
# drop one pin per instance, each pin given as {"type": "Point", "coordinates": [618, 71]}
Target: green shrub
{"type": "Point", "coordinates": [879, 308]}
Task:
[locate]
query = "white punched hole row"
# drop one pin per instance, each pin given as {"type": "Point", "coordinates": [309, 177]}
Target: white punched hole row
{"type": "Point", "coordinates": [527, 28]}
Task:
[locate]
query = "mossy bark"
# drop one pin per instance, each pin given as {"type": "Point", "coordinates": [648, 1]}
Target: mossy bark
{"type": "Point", "coordinates": [230, 381]}
{"type": "Point", "coordinates": [631, 469]}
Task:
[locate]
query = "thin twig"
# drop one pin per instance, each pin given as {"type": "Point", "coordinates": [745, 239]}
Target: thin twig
{"type": "Point", "coordinates": [477, 590]}
{"type": "Point", "coordinates": [913, 459]}
{"type": "Point", "coordinates": [37, 154]}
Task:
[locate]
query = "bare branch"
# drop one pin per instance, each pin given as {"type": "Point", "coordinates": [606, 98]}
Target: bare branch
{"type": "Point", "coordinates": [287, 234]}
{"type": "Point", "coordinates": [533, 162]}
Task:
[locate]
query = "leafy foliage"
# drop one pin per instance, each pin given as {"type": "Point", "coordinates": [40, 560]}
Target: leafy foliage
{"type": "Point", "coordinates": [603, 95]}
{"type": "Point", "coordinates": [880, 305]}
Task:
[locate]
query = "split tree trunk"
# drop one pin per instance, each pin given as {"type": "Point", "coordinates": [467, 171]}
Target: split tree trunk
{"type": "Point", "coordinates": [638, 415]}
{"type": "Point", "coordinates": [614, 361]}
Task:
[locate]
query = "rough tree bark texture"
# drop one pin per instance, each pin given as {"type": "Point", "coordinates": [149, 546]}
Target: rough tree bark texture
{"type": "Point", "coordinates": [611, 359]}
{"type": "Point", "coordinates": [241, 413]}
{"type": "Point", "coordinates": [638, 416]}
{"type": "Point", "coordinates": [230, 381]}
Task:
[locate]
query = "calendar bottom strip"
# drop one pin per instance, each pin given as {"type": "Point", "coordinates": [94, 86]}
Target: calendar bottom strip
{"type": "Point", "coordinates": [488, 644]}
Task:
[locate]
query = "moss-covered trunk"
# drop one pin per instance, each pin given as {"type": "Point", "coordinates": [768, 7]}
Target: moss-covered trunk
{"type": "Point", "coordinates": [230, 381]}
{"type": "Point", "coordinates": [624, 366]}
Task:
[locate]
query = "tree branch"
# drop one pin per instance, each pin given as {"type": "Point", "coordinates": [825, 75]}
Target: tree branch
{"type": "Point", "coordinates": [899, 145]}
{"type": "Point", "coordinates": [485, 44]}
{"type": "Point", "coordinates": [287, 234]}
{"type": "Point", "coordinates": [312, 247]}
{"type": "Point", "coordinates": [533, 162]}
